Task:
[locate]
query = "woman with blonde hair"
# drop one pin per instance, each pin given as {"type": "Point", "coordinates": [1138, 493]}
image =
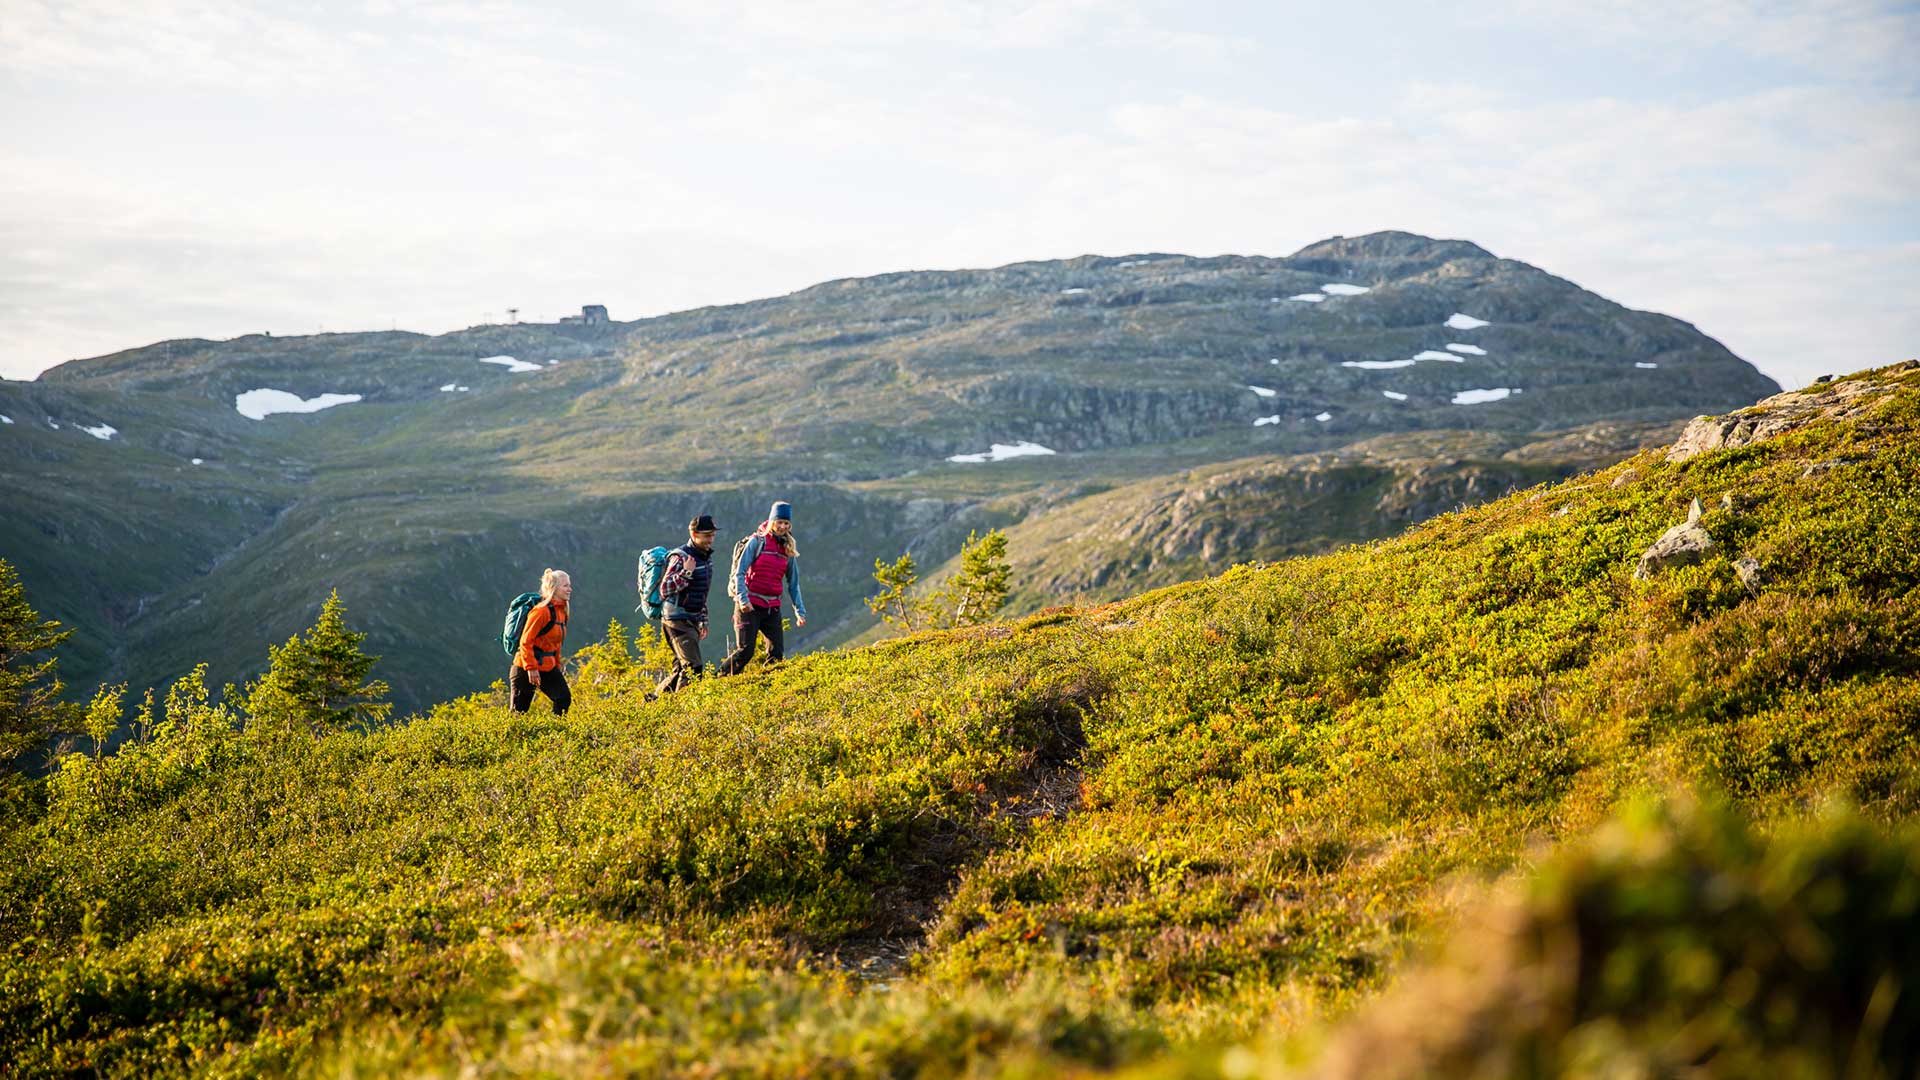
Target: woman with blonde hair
{"type": "Point", "coordinates": [538, 665]}
{"type": "Point", "coordinates": [768, 564]}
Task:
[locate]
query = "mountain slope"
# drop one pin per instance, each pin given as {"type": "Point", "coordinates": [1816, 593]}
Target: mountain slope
{"type": "Point", "coordinates": [439, 502]}
{"type": "Point", "coordinates": [1191, 524]}
{"type": "Point", "coordinates": [1197, 812]}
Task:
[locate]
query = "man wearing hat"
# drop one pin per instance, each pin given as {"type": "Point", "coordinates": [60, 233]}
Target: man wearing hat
{"type": "Point", "coordinates": [766, 565]}
{"type": "Point", "coordinates": [683, 603]}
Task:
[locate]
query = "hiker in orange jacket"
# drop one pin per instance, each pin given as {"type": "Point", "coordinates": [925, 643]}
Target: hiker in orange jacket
{"type": "Point", "coordinates": [538, 665]}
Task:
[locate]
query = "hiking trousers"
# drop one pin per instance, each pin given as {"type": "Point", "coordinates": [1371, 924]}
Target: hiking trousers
{"type": "Point", "coordinates": [748, 625]}
{"type": "Point", "coordinates": [552, 683]}
{"type": "Point", "coordinates": [684, 637]}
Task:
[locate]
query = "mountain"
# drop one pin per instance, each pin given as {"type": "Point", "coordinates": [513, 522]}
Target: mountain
{"type": "Point", "coordinates": [452, 481]}
{"type": "Point", "coordinates": [1641, 745]}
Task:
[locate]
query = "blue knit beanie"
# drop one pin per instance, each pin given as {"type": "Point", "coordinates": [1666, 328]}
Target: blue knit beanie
{"type": "Point", "coordinates": [782, 511]}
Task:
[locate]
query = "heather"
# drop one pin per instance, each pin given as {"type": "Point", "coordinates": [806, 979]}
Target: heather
{"type": "Point", "coordinates": [1187, 832]}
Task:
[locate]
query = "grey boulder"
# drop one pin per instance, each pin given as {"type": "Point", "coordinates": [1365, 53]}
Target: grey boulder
{"type": "Point", "coordinates": [1681, 545]}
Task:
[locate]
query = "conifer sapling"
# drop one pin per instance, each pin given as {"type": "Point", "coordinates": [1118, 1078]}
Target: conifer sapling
{"type": "Point", "coordinates": [319, 681]}
{"type": "Point", "coordinates": [31, 711]}
{"type": "Point", "coordinates": [892, 603]}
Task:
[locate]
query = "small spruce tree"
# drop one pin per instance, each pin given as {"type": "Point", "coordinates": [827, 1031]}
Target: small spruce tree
{"type": "Point", "coordinates": [31, 711]}
{"type": "Point", "coordinates": [319, 681]}
{"type": "Point", "coordinates": [974, 595]}
{"type": "Point", "coordinates": [893, 603]}
{"type": "Point", "coordinates": [979, 590]}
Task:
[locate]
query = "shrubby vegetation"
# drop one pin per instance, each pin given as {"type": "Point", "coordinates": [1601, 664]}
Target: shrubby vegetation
{"type": "Point", "coordinates": [1675, 939]}
{"type": "Point", "coordinates": [1172, 834]}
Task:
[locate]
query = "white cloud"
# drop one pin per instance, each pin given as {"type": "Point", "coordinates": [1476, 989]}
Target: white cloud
{"type": "Point", "coordinates": [1850, 39]}
{"type": "Point", "coordinates": [1027, 24]}
{"type": "Point", "coordinates": [176, 42]}
{"type": "Point", "coordinates": [447, 160]}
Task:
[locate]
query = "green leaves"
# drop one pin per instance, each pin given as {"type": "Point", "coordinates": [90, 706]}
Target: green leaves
{"type": "Point", "coordinates": [103, 716]}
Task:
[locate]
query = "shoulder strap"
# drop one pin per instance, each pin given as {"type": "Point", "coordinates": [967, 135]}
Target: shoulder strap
{"type": "Point", "coordinates": [552, 621]}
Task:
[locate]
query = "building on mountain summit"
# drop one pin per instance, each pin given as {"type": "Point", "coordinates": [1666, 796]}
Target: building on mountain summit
{"type": "Point", "coordinates": [590, 315]}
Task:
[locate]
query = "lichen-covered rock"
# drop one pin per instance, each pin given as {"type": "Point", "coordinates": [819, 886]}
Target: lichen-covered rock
{"type": "Point", "coordinates": [1681, 545]}
{"type": "Point", "coordinates": [1747, 569]}
{"type": "Point", "coordinates": [1774, 416]}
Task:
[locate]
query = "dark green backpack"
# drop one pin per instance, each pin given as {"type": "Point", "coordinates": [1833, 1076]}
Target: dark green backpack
{"type": "Point", "coordinates": [517, 620]}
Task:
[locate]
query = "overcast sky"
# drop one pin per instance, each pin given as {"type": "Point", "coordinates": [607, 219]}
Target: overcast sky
{"type": "Point", "coordinates": [182, 169]}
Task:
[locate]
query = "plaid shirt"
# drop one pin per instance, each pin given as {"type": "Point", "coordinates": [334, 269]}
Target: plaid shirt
{"type": "Point", "coordinates": [679, 572]}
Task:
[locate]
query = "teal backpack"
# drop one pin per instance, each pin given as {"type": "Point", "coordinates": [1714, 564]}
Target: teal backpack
{"type": "Point", "coordinates": [653, 567]}
{"type": "Point", "coordinates": [517, 620]}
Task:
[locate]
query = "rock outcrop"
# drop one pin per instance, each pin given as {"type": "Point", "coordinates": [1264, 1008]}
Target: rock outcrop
{"type": "Point", "coordinates": [1681, 545]}
{"type": "Point", "coordinates": [1779, 414]}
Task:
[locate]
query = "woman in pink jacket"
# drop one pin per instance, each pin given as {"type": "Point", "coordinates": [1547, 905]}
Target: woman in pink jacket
{"type": "Point", "coordinates": [768, 566]}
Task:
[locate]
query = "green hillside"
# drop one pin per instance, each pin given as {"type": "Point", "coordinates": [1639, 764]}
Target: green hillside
{"type": "Point", "coordinates": [1187, 525]}
{"type": "Point", "coordinates": [1180, 834]}
{"type": "Point", "coordinates": [454, 481]}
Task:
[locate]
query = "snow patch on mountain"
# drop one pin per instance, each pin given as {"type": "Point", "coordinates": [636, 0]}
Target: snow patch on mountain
{"type": "Point", "coordinates": [264, 402]}
{"type": "Point", "coordinates": [1003, 451]}
{"type": "Point", "coordinates": [513, 366]}
{"type": "Point", "coordinates": [1481, 397]}
{"type": "Point", "coordinates": [1460, 320]}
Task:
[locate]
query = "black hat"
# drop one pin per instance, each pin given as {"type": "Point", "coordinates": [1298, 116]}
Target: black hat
{"type": "Point", "coordinates": [703, 523]}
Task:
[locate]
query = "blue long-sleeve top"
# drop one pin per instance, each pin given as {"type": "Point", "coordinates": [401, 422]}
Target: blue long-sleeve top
{"type": "Point", "coordinates": [755, 545]}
